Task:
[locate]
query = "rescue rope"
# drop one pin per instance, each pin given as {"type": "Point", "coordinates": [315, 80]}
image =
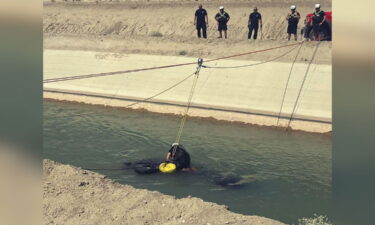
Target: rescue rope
{"type": "Point", "coordinates": [254, 64]}
{"type": "Point", "coordinates": [252, 52]}
{"type": "Point", "coordinates": [162, 92]}
{"type": "Point", "coordinates": [287, 84]}
{"type": "Point", "coordinates": [184, 117]}
{"type": "Point", "coordinates": [111, 73]}
{"type": "Point", "coordinates": [135, 103]}
{"type": "Point", "coordinates": [303, 82]}
{"type": "Point", "coordinates": [175, 85]}
{"type": "Point", "coordinates": [51, 80]}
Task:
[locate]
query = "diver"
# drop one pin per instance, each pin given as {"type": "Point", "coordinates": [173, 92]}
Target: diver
{"type": "Point", "coordinates": [178, 159]}
{"type": "Point", "coordinates": [178, 155]}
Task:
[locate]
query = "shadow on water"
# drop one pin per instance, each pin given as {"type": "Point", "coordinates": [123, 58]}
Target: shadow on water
{"type": "Point", "coordinates": [284, 176]}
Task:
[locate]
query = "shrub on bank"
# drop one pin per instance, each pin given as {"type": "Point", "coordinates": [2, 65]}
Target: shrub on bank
{"type": "Point", "coordinates": [183, 52]}
{"type": "Point", "coordinates": [316, 220]}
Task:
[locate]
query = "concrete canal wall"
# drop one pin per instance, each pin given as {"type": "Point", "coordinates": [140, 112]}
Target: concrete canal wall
{"type": "Point", "coordinates": [249, 94]}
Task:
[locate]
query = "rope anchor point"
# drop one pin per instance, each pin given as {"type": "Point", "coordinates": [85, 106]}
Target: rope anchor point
{"type": "Point", "coordinates": [200, 62]}
{"type": "Point", "coordinates": [200, 65]}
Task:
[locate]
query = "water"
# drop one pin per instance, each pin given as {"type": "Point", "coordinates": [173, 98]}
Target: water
{"type": "Point", "coordinates": [292, 170]}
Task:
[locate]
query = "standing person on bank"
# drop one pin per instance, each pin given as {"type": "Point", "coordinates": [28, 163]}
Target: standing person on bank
{"type": "Point", "coordinates": [222, 18]}
{"type": "Point", "coordinates": [293, 19]}
{"type": "Point", "coordinates": [318, 20]}
{"type": "Point", "coordinates": [201, 21]}
{"type": "Point", "coordinates": [255, 19]}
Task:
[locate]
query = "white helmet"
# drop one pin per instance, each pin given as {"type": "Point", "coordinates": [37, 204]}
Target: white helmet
{"type": "Point", "coordinates": [221, 7]}
{"type": "Point", "coordinates": [175, 144]}
{"type": "Point", "coordinates": [293, 7]}
{"type": "Point", "coordinates": [317, 6]}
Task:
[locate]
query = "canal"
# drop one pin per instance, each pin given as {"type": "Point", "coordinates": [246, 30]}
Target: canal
{"type": "Point", "coordinates": [286, 176]}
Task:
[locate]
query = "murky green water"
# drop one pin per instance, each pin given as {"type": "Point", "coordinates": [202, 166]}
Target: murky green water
{"type": "Point", "coordinates": [292, 170]}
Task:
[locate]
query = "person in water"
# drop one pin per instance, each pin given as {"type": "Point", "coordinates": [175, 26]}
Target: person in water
{"type": "Point", "coordinates": [178, 155]}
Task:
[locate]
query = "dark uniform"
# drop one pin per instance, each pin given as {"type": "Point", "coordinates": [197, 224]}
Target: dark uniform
{"type": "Point", "coordinates": [293, 19]}
{"type": "Point", "coordinates": [254, 24]}
{"type": "Point", "coordinates": [222, 18]}
{"type": "Point", "coordinates": [201, 22]}
{"type": "Point", "coordinates": [317, 18]}
{"type": "Point", "coordinates": [181, 157]}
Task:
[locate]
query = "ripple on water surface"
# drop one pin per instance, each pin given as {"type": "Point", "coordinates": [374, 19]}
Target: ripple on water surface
{"type": "Point", "coordinates": [292, 171]}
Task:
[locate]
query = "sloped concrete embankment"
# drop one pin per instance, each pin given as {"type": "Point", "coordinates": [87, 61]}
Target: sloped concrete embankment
{"type": "Point", "coordinates": [251, 95]}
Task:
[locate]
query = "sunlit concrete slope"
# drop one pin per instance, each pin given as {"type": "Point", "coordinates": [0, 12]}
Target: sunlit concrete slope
{"type": "Point", "coordinates": [248, 94]}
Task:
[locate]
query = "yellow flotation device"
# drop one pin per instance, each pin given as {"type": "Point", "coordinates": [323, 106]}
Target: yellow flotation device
{"type": "Point", "coordinates": [167, 167]}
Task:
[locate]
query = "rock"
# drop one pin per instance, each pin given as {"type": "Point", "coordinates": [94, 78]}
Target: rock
{"type": "Point", "coordinates": [83, 184]}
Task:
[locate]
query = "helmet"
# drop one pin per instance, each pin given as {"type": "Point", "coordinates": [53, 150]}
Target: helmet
{"type": "Point", "coordinates": [221, 7]}
{"type": "Point", "coordinates": [317, 6]}
{"type": "Point", "coordinates": [293, 7]}
{"type": "Point", "coordinates": [175, 144]}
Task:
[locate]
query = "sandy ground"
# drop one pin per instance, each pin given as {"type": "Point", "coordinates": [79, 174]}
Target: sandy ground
{"type": "Point", "coordinates": [166, 28]}
{"type": "Point", "coordinates": [73, 196]}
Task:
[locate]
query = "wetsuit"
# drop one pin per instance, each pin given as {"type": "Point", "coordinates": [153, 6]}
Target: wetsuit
{"type": "Point", "coordinates": [181, 158]}
{"type": "Point", "coordinates": [293, 19]}
{"type": "Point", "coordinates": [201, 22]}
{"type": "Point", "coordinates": [254, 24]}
{"type": "Point", "coordinates": [222, 18]}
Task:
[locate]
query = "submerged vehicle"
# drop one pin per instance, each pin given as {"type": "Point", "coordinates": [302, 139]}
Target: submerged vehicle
{"type": "Point", "coordinates": [152, 166]}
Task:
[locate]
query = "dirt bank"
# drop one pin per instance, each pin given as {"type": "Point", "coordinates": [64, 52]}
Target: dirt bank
{"type": "Point", "coordinates": [166, 28]}
{"type": "Point", "coordinates": [74, 196]}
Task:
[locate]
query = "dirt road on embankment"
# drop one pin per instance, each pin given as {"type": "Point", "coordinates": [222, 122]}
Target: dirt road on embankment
{"type": "Point", "coordinates": [74, 196]}
{"type": "Point", "coordinates": [166, 28]}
